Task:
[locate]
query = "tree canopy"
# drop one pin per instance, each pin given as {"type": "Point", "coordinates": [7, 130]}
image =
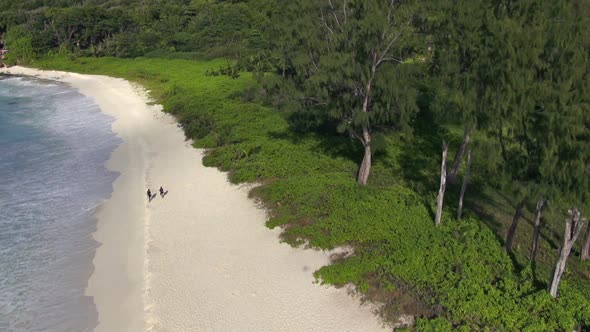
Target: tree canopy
{"type": "Point", "coordinates": [345, 59]}
{"type": "Point", "coordinates": [128, 28]}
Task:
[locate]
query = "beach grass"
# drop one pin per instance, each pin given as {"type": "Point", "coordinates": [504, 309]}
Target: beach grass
{"type": "Point", "coordinates": [456, 276]}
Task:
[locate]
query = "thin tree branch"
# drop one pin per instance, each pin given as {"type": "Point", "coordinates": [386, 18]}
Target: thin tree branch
{"type": "Point", "coordinates": [313, 62]}
{"type": "Point", "coordinates": [392, 59]}
{"type": "Point", "coordinates": [357, 89]}
{"type": "Point", "coordinates": [384, 53]}
{"type": "Point", "coordinates": [334, 13]}
{"type": "Point", "coordinates": [355, 135]}
{"type": "Point", "coordinates": [324, 22]}
{"type": "Point", "coordinates": [317, 101]}
{"type": "Point", "coordinates": [388, 17]}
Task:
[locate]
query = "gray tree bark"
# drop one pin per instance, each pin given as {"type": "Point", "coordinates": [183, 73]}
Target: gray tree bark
{"type": "Point", "coordinates": [535, 244]}
{"type": "Point", "coordinates": [585, 255]}
{"type": "Point", "coordinates": [365, 169]}
{"type": "Point", "coordinates": [514, 225]}
{"type": "Point", "coordinates": [573, 228]}
{"type": "Point", "coordinates": [452, 177]}
{"type": "Point", "coordinates": [464, 185]}
{"type": "Point", "coordinates": [443, 185]}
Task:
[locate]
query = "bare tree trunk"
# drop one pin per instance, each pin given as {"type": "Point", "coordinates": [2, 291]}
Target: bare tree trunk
{"type": "Point", "coordinates": [452, 177]}
{"type": "Point", "coordinates": [585, 254]}
{"type": "Point", "coordinates": [573, 228]}
{"type": "Point", "coordinates": [365, 169]}
{"type": "Point", "coordinates": [443, 185]}
{"type": "Point", "coordinates": [464, 185]}
{"type": "Point", "coordinates": [515, 220]}
{"type": "Point", "coordinates": [535, 244]}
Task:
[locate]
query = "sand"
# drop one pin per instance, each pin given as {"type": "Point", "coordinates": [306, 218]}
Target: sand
{"type": "Point", "coordinates": [199, 259]}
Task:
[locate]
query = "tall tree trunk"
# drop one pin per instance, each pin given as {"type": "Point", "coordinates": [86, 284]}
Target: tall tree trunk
{"type": "Point", "coordinates": [452, 177]}
{"type": "Point", "coordinates": [443, 185]}
{"type": "Point", "coordinates": [365, 169]}
{"type": "Point", "coordinates": [464, 186]}
{"type": "Point", "coordinates": [515, 220]}
{"type": "Point", "coordinates": [535, 244]}
{"type": "Point", "coordinates": [585, 255]}
{"type": "Point", "coordinates": [573, 228]}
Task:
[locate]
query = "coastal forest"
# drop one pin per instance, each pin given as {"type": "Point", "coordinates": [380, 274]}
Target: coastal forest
{"type": "Point", "coordinates": [444, 144]}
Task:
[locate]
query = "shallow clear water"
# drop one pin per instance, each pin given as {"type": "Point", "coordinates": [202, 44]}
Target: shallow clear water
{"type": "Point", "coordinates": [53, 146]}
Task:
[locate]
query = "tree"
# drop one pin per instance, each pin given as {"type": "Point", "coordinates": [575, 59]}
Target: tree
{"type": "Point", "coordinates": [20, 49]}
{"type": "Point", "coordinates": [443, 185]}
{"type": "Point", "coordinates": [573, 228]}
{"type": "Point", "coordinates": [64, 23]}
{"type": "Point", "coordinates": [347, 58]}
{"type": "Point", "coordinates": [540, 119]}
{"type": "Point", "coordinates": [512, 229]}
{"type": "Point", "coordinates": [465, 36]}
{"type": "Point", "coordinates": [459, 52]}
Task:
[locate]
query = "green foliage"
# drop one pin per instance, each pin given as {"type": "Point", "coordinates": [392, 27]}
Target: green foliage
{"type": "Point", "coordinates": [459, 268]}
{"type": "Point", "coordinates": [134, 28]}
{"type": "Point", "coordinates": [512, 71]}
{"type": "Point", "coordinates": [344, 61]}
{"type": "Point", "coordinates": [434, 325]}
{"type": "Point", "coordinates": [230, 70]}
{"type": "Point", "coordinates": [21, 50]}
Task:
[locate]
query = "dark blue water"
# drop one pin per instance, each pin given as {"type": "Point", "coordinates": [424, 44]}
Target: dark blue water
{"type": "Point", "coordinates": [53, 146]}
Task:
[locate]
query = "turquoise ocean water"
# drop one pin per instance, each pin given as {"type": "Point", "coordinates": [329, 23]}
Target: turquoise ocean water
{"type": "Point", "coordinates": [53, 146]}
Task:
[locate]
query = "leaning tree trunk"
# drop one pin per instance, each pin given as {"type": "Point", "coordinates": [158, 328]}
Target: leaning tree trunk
{"type": "Point", "coordinates": [585, 255]}
{"type": "Point", "coordinates": [515, 220]}
{"type": "Point", "coordinates": [573, 228]}
{"type": "Point", "coordinates": [452, 177]}
{"type": "Point", "coordinates": [535, 244]}
{"type": "Point", "coordinates": [365, 169]}
{"type": "Point", "coordinates": [464, 186]}
{"type": "Point", "coordinates": [443, 185]}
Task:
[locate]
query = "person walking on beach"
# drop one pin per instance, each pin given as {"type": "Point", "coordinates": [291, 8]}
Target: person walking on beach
{"type": "Point", "coordinates": [149, 193]}
{"type": "Point", "coordinates": [161, 192]}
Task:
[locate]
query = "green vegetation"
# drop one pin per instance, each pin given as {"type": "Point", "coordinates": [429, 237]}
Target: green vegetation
{"type": "Point", "coordinates": [22, 51]}
{"type": "Point", "coordinates": [303, 82]}
{"type": "Point", "coordinates": [457, 274]}
{"type": "Point", "coordinates": [362, 83]}
{"type": "Point", "coordinates": [124, 28]}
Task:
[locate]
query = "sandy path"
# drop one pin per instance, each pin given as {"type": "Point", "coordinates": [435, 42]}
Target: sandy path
{"type": "Point", "coordinates": [199, 259]}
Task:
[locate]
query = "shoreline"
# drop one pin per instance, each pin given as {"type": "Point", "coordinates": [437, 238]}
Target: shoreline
{"type": "Point", "coordinates": [201, 258]}
{"type": "Point", "coordinates": [117, 280]}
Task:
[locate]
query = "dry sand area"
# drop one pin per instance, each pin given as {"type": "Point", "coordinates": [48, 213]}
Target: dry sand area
{"type": "Point", "coordinates": [199, 259]}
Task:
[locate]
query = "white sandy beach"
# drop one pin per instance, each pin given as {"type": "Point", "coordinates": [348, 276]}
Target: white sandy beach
{"type": "Point", "coordinates": [199, 259]}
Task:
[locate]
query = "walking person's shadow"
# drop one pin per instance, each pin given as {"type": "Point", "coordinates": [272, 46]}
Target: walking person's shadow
{"type": "Point", "coordinates": [164, 194]}
{"type": "Point", "coordinates": [153, 196]}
